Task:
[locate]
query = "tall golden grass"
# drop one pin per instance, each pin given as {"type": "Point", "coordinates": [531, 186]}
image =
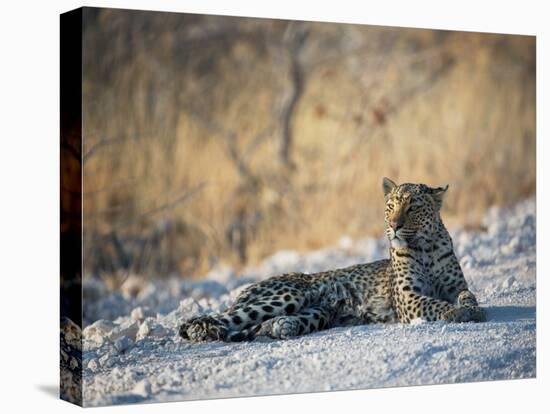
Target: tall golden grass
{"type": "Point", "coordinates": [415, 105]}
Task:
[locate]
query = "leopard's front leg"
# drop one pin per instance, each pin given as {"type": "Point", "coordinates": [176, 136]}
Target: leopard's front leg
{"type": "Point", "coordinates": [411, 306]}
{"type": "Point", "coordinates": [467, 309]}
{"type": "Point", "coordinates": [414, 306]}
{"type": "Point", "coordinates": [411, 303]}
{"type": "Point", "coordinates": [449, 281]}
{"type": "Point", "coordinates": [414, 289]}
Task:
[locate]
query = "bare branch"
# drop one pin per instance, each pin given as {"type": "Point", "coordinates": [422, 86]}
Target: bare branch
{"type": "Point", "coordinates": [102, 143]}
{"type": "Point", "coordinates": [240, 159]}
{"type": "Point", "coordinates": [293, 40]}
{"type": "Point", "coordinates": [182, 198]}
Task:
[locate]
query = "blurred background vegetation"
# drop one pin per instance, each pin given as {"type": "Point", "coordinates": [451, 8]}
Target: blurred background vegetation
{"type": "Point", "coordinates": [213, 139]}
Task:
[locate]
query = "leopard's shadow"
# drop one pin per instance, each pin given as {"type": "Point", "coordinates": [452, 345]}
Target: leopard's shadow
{"type": "Point", "coordinates": [510, 313]}
{"type": "Point", "coordinates": [495, 314]}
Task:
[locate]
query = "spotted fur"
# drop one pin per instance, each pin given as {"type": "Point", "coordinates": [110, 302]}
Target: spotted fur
{"type": "Point", "coordinates": [422, 279]}
{"type": "Point", "coordinates": [427, 281]}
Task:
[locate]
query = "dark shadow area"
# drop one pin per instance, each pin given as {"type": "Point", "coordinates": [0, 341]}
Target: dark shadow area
{"type": "Point", "coordinates": [510, 313]}
{"type": "Point", "coordinates": [49, 389]}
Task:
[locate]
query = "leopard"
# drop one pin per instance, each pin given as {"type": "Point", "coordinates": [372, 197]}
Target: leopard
{"type": "Point", "coordinates": [421, 280]}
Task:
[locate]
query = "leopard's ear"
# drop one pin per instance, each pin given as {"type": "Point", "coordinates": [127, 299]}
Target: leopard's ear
{"type": "Point", "coordinates": [388, 185]}
{"type": "Point", "coordinates": [437, 194]}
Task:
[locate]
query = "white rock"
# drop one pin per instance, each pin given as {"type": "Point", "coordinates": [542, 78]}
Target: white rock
{"type": "Point", "coordinates": [102, 325]}
{"type": "Point", "coordinates": [144, 330]}
{"type": "Point", "coordinates": [97, 331]}
{"type": "Point", "coordinates": [203, 304]}
{"type": "Point", "coordinates": [93, 364]}
{"type": "Point", "coordinates": [150, 328]}
{"type": "Point", "coordinates": [140, 313]}
{"type": "Point", "coordinates": [128, 328]}
{"type": "Point", "coordinates": [142, 388]}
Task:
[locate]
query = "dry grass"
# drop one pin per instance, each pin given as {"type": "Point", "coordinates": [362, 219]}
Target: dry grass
{"type": "Point", "coordinates": [437, 108]}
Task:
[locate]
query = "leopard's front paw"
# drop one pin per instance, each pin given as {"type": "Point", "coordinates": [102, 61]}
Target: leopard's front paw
{"type": "Point", "coordinates": [466, 314]}
{"type": "Point", "coordinates": [466, 299]}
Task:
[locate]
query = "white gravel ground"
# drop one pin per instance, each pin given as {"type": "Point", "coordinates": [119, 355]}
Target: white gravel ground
{"type": "Point", "coordinates": [132, 352]}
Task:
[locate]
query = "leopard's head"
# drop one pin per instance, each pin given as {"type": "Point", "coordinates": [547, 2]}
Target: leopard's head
{"type": "Point", "coordinates": [411, 212]}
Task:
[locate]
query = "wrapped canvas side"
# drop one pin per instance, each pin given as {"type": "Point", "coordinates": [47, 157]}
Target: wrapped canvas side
{"type": "Point", "coordinates": [71, 206]}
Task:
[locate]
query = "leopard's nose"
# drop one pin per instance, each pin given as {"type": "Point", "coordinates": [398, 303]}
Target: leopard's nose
{"type": "Point", "coordinates": [395, 225]}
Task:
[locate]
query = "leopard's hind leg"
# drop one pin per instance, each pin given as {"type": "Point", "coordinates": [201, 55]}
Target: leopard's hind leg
{"type": "Point", "coordinates": [241, 321]}
{"type": "Point", "coordinates": [219, 327]}
{"type": "Point", "coordinates": [257, 304]}
{"type": "Point", "coordinates": [307, 320]}
{"type": "Point", "coordinates": [237, 326]}
{"type": "Point", "coordinates": [236, 323]}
